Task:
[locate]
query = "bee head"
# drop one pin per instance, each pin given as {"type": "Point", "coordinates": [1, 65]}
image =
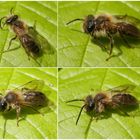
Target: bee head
{"type": "Point", "coordinates": [3, 104]}
{"type": "Point", "coordinates": [89, 24]}
{"type": "Point", "coordinates": [89, 103]}
{"type": "Point", "coordinates": [11, 19]}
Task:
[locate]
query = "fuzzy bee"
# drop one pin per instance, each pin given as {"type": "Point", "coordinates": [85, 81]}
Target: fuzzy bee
{"type": "Point", "coordinates": [17, 99]}
{"type": "Point", "coordinates": [109, 26]}
{"type": "Point", "coordinates": [22, 32]}
{"type": "Point", "coordinates": [117, 99]}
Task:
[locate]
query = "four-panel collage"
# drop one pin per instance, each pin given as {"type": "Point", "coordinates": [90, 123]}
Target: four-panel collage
{"type": "Point", "coordinates": [69, 69]}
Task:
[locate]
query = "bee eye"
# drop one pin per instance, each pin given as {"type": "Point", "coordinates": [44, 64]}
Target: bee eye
{"type": "Point", "coordinates": [91, 26]}
{"type": "Point", "coordinates": [12, 19]}
{"type": "Point", "coordinates": [3, 105]}
{"type": "Point", "coordinates": [91, 104]}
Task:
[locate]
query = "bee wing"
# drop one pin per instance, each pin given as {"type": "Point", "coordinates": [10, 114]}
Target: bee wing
{"type": "Point", "coordinates": [32, 85]}
{"type": "Point", "coordinates": [127, 88]}
{"type": "Point", "coordinates": [45, 45]}
{"type": "Point", "coordinates": [129, 19]}
{"type": "Point", "coordinates": [34, 98]}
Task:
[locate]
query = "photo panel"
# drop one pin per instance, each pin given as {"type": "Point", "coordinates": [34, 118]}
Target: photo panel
{"type": "Point", "coordinates": [28, 103]}
{"type": "Point", "coordinates": [103, 33]}
{"type": "Point", "coordinates": [97, 99]}
{"type": "Point", "coordinates": [99, 103]}
{"type": "Point", "coordinates": [32, 39]}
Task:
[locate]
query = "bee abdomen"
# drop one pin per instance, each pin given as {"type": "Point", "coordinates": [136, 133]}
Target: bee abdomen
{"type": "Point", "coordinates": [129, 29]}
{"type": "Point", "coordinates": [35, 98]}
{"type": "Point", "coordinates": [30, 44]}
{"type": "Point", "coordinates": [124, 99]}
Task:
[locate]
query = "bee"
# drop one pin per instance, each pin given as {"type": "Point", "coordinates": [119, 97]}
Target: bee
{"type": "Point", "coordinates": [25, 97]}
{"type": "Point", "coordinates": [108, 26]}
{"type": "Point", "coordinates": [116, 99]}
{"type": "Point", "coordinates": [22, 31]}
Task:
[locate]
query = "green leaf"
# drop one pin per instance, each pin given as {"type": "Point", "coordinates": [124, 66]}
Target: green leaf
{"type": "Point", "coordinates": [76, 83]}
{"type": "Point", "coordinates": [34, 125]}
{"type": "Point", "coordinates": [77, 48]}
{"type": "Point", "coordinates": [41, 14]}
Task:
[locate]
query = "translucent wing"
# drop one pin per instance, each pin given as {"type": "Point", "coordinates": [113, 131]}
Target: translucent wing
{"type": "Point", "coordinates": [30, 45]}
{"type": "Point", "coordinates": [129, 19]}
{"type": "Point", "coordinates": [34, 98]}
{"type": "Point", "coordinates": [32, 85]}
{"type": "Point", "coordinates": [45, 47]}
{"type": "Point", "coordinates": [34, 94]}
{"type": "Point", "coordinates": [127, 88]}
{"type": "Point", "coordinates": [125, 105]}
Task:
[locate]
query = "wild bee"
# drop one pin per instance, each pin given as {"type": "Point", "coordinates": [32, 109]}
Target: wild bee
{"type": "Point", "coordinates": [32, 48]}
{"type": "Point", "coordinates": [109, 26]}
{"type": "Point", "coordinates": [116, 99]}
{"type": "Point", "coordinates": [25, 97]}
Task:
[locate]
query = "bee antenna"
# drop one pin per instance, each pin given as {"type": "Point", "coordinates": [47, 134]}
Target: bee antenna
{"type": "Point", "coordinates": [80, 114]}
{"type": "Point", "coordinates": [1, 22]}
{"type": "Point", "coordinates": [74, 20]}
{"type": "Point", "coordinates": [11, 10]}
{"type": "Point", "coordinates": [75, 100]}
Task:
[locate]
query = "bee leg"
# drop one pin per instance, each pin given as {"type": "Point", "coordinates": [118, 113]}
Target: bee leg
{"type": "Point", "coordinates": [11, 42]}
{"type": "Point", "coordinates": [28, 54]}
{"type": "Point", "coordinates": [11, 10]}
{"type": "Point", "coordinates": [18, 109]}
{"type": "Point", "coordinates": [111, 45]}
{"type": "Point", "coordinates": [2, 26]}
{"type": "Point", "coordinates": [33, 27]}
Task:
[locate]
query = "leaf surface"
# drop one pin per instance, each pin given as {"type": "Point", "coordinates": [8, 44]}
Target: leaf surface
{"type": "Point", "coordinates": [32, 124]}
{"type": "Point", "coordinates": [76, 83]}
{"type": "Point", "coordinates": [41, 14]}
{"type": "Point", "coordinates": [76, 48]}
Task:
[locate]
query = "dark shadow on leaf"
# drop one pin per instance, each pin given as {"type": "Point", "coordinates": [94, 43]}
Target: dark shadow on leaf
{"type": "Point", "coordinates": [104, 44]}
{"type": "Point", "coordinates": [59, 69]}
{"type": "Point", "coordinates": [108, 113]}
{"type": "Point", "coordinates": [43, 44]}
{"type": "Point", "coordinates": [129, 111]}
